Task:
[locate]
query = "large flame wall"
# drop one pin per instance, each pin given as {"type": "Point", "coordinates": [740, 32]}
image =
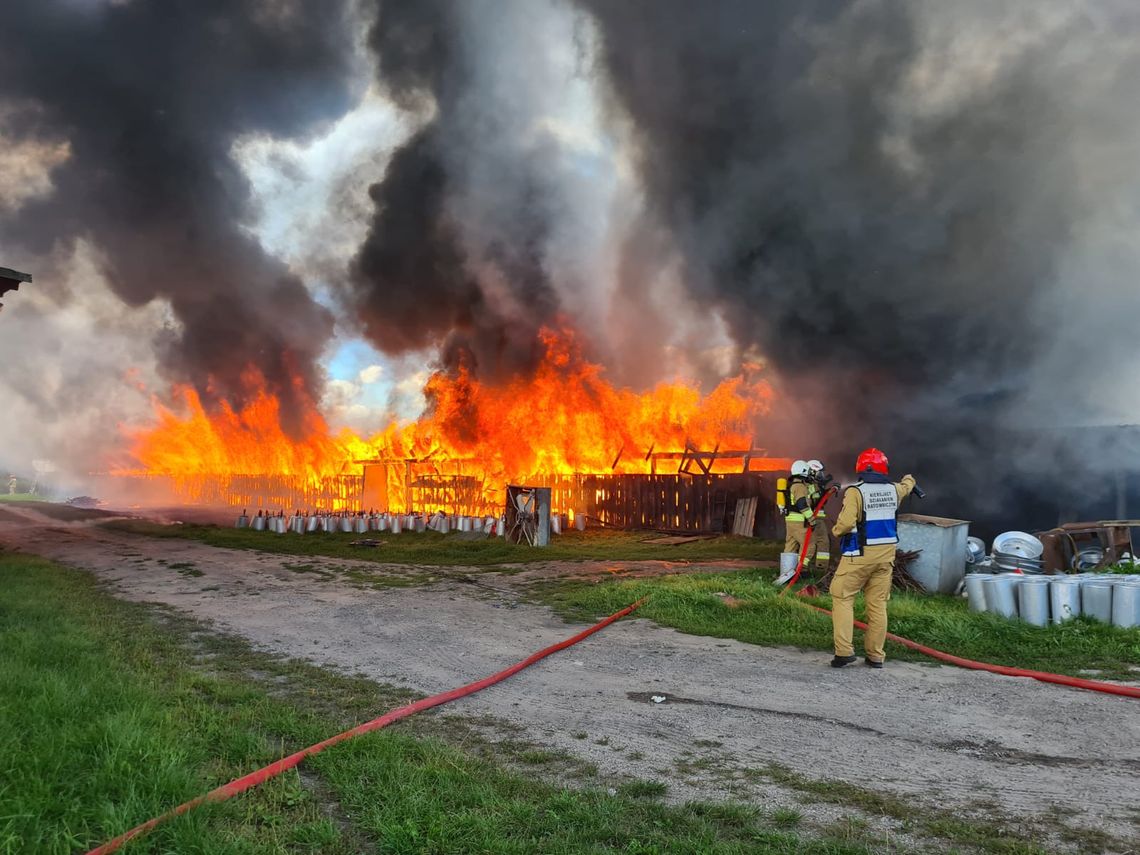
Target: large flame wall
{"type": "Point", "coordinates": [564, 420]}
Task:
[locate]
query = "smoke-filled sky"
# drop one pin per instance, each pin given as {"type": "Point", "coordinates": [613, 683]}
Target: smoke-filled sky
{"type": "Point", "coordinates": [923, 216]}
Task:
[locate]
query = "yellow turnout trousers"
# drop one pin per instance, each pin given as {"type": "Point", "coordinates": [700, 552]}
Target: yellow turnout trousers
{"type": "Point", "coordinates": [874, 580]}
{"type": "Point", "coordinates": [820, 549]}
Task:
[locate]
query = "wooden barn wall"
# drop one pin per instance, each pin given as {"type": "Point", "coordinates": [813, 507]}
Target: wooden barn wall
{"type": "Point", "coordinates": [683, 503]}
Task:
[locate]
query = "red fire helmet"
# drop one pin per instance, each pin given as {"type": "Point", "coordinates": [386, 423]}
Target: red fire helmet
{"type": "Point", "coordinates": [872, 459]}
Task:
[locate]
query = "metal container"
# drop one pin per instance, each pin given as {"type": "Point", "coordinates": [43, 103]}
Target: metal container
{"type": "Point", "coordinates": [395, 527]}
{"type": "Point", "coordinates": [420, 523]}
{"type": "Point", "coordinates": [1088, 558]}
{"type": "Point", "coordinates": [1017, 563]}
{"type": "Point", "coordinates": [382, 522]}
{"type": "Point", "coordinates": [297, 524]}
{"type": "Point", "coordinates": [313, 524]}
{"type": "Point", "coordinates": [941, 565]}
{"type": "Point", "coordinates": [258, 522]}
{"type": "Point", "coordinates": [464, 524]}
{"type": "Point", "coordinates": [1064, 598]}
{"type": "Point", "coordinates": [501, 527]}
{"type": "Point", "coordinates": [346, 525]}
{"type": "Point", "coordinates": [242, 521]}
{"type": "Point", "coordinates": [975, 550]}
{"type": "Point", "coordinates": [788, 562]}
{"type": "Point", "coordinates": [975, 591]}
{"type": "Point", "coordinates": [361, 525]}
{"type": "Point", "coordinates": [1019, 543]}
{"type": "Point", "coordinates": [1033, 600]}
{"type": "Point", "coordinates": [580, 522]}
{"type": "Point", "coordinates": [1096, 599]}
{"type": "Point", "coordinates": [1001, 598]}
{"type": "Point", "coordinates": [556, 523]}
{"type": "Point", "coordinates": [329, 523]}
{"type": "Point", "coordinates": [443, 525]}
{"type": "Point", "coordinates": [1126, 605]}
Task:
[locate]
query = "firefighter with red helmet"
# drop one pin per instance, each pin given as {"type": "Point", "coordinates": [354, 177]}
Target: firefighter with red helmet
{"type": "Point", "coordinates": [867, 532]}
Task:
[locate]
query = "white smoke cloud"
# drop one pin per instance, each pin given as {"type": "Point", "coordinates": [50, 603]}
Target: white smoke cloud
{"type": "Point", "coordinates": [312, 211]}
{"type": "Point", "coordinates": [79, 367]}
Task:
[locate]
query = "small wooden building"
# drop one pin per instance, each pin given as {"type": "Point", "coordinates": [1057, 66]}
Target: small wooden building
{"type": "Point", "coordinates": [11, 280]}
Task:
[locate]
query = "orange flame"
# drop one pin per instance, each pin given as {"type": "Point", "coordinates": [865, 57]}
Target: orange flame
{"type": "Point", "coordinates": [566, 418]}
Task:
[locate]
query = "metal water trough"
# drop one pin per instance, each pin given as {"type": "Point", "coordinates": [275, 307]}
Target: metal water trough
{"type": "Point", "coordinates": [941, 564]}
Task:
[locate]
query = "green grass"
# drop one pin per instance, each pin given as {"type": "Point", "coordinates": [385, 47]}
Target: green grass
{"type": "Point", "coordinates": [21, 497]}
{"type": "Point", "coordinates": [112, 712]}
{"type": "Point", "coordinates": [787, 817]}
{"type": "Point", "coordinates": [689, 603]}
{"type": "Point", "coordinates": [644, 789]}
{"type": "Point", "coordinates": [432, 548]}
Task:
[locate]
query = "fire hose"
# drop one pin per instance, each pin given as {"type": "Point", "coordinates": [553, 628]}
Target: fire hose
{"type": "Point", "coordinates": [274, 769]}
{"type": "Point", "coordinates": [962, 662]}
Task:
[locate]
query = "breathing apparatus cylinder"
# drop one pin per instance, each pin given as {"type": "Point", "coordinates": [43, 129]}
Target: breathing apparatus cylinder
{"type": "Point", "coordinates": [782, 496]}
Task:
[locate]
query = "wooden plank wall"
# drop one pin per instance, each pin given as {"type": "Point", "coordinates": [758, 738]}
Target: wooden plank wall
{"type": "Point", "coordinates": [667, 502]}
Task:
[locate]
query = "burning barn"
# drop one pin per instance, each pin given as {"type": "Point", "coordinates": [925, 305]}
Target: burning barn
{"type": "Point", "coordinates": [841, 224]}
{"type": "Point", "coordinates": [669, 459]}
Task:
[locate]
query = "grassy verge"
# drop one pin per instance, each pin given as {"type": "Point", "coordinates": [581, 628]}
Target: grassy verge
{"type": "Point", "coordinates": [457, 549]}
{"type": "Point", "coordinates": [111, 715]}
{"type": "Point", "coordinates": [21, 497]}
{"type": "Point", "coordinates": [690, 603]}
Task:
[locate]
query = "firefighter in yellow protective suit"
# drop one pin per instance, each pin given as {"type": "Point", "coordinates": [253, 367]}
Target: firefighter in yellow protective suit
{"type": "Point", "coordinates": [805, 487]}
{"type": "Point", "coordinates": [867, 531]}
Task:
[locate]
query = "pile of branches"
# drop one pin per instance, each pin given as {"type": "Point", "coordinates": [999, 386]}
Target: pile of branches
{"type": "Point", "coordinates": [901, 580]}
{"type": "Point", "coordinates": [900, 577]}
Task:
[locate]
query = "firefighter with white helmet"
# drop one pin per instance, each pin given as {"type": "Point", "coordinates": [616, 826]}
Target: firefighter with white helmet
{"type": "Point", "coordinates": [867, 531]}
{"type": "Point", "coordinates": [797, 498]}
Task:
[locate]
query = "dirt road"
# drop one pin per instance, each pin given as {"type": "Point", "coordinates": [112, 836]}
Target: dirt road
{"type": "Point", "coordinates": [954, 738]}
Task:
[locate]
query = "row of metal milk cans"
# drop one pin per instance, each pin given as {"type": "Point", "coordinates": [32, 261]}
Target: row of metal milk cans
{"type": "Point", "coordinates": [363, 523]}
{"type": "Point", "coordinates": [1039, 600]}
{"type": "Point", "coordinates": [444, 523]}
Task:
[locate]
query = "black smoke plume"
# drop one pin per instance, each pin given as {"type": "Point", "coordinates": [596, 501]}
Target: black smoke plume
{"type": "Point", "coordinates": [455, 250]}
{"type": "Point", "coordinates": [888, 197]}
{"type": "Point", "coordinates": [150, 98]}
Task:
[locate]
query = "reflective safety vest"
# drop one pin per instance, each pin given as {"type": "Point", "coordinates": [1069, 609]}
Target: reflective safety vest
{"type": "Point", "coordinates": [877, 524]}
{"type": "Point", "coordinates": [813, 496]}
{"type": "Point", "coordinates": [792, 514]}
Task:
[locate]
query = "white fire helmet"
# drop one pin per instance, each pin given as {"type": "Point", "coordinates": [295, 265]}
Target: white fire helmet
{"type": "Point", "coordinates": [815, 466]}
{"type": "Point", "coordinates": [800, 467]}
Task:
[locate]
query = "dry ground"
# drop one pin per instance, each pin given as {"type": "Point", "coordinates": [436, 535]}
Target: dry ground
{"type": "Point", "coordinates": [966, 741]}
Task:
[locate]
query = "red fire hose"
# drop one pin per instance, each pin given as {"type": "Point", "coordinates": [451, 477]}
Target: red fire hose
{"type": "Point", "coordinates": [273, 769]}
{"type": "Point", "coordinates": [1043, 676]}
